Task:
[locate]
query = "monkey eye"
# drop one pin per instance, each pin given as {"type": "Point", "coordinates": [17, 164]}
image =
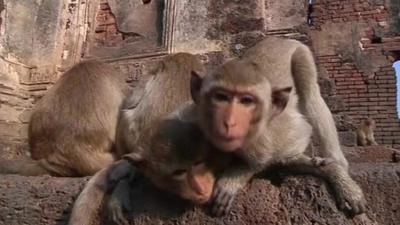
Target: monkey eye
{"type": "Point", "coordinates": [180, 173]}
{"type": "Point", "coordinates": [247, 100]}
{"type": "Point", "coordinates": [220, 97]}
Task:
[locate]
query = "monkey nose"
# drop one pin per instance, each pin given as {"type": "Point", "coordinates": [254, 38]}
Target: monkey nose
{"type": "Point", "coordinates": [229, 123]}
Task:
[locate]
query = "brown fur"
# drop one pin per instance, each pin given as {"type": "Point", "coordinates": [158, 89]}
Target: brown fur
{"type": "Point", "coordinates": [268, 71]}
{"type": "Point", "coordinates": [168, 150]}
{"type": "Point", "coordinates": [72, 128]}
{"type": "Point", "coordinates": [365, 133]}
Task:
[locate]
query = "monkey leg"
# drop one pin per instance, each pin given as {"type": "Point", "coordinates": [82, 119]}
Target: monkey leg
{"type": "Point", "coordinates": [26, 167]}
{"type": "Point", "coordinates": [371, 141]}
{"type": "Point", "coordinates": [313, 106]}
{"type": "Point", "coordinates": [58, 165]}
{"type": "Point", "coordinates": [349, 195]}
{"type": "Point", "coordinates": [361, 139]}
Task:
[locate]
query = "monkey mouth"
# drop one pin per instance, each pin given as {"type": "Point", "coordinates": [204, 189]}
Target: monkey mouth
{"type": "Point", "coordinates": [227, 138]}
{"type": "Point", "coordinates": [228, 144]}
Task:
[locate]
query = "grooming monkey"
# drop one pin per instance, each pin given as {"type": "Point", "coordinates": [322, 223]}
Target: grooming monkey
{"type": "Point", "coordinates": [72, 128]}
{"type": "Point", "coordinates": [158, 141]}
{"type": "Point", "coordinates": [259, 107]}
{"type": "Point", "coordinates": [365, 133]}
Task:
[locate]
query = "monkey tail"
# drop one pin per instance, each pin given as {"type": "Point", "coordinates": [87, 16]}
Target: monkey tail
{"type": "Point", "coordinates": [26, 167]}
{"type": "Point", "coordinates": [90, 200]}
{"type": "Point", "coordinates": [312, 104]}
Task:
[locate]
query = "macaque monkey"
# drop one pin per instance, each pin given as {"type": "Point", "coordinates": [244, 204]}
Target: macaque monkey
{"type": "Point", "coordinates": [158, 141]}
{"type": "Point", "coordinates": [72, 128]}
{"type": "Point", "coordinates": [260, 108]}
{"type": "Point", "coordinates": [365, 132]}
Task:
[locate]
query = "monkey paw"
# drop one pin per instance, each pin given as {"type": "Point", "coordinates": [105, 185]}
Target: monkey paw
{"type": "Point", "coordinates": [350, 198]}
{"type": "Point", "coordinates": [115, 213]}
{"type": "Point", "coordinates": [221, 200]}
{"type": "Point", "coordinates": [319, 161]}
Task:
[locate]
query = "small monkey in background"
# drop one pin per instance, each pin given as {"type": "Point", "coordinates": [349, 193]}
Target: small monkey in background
{"type": "Point", "coordinates": [260, 108]}
{"type": "Point", "coordinates": [365, 133]}
{"type": "Point", "coordinates": [72, 128]}
{"type": "Point", "coordinates": [158, 141]}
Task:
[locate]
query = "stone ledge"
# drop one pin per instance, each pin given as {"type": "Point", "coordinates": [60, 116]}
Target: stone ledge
{"type": "Point", "coordinates": [293, 200]}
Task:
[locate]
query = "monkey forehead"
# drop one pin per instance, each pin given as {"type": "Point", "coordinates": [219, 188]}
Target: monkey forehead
{"type": "Point", "coordinates": [262, 88]}
{"type": "Point", "coordinates": [177, 140]}
{"type": "Point", "coordinates": [239, 72]}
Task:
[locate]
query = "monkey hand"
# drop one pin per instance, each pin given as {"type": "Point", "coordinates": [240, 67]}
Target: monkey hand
{"type": "Point", "coordinates": [319, 161]}
{"type": "Point", "coordinates": [119, 202]}
{"type": "Point", "coordinates": [223, 195]}
{"type": "Point", "coordinates": [115, 210]}
{"type": "Point", "coordinates": [119, 171]}
{"type": "Point", "coordinates": [349, 195]}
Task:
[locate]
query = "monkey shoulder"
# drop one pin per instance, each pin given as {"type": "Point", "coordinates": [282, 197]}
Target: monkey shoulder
{"type": "Point", "coordinates": [286, 136]}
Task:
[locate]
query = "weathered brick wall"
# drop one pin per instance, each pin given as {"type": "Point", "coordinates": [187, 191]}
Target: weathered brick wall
{"type": "Point", "coordinates": [338, 11]}
{"type": "Point", "coordinates": [355, 58]}
{"type": "Point", "coordinates": [106, 30]}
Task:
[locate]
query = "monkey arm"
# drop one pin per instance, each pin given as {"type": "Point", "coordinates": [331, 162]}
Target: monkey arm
{"type": "Point", "coordinates": [230, 181]}
{"type": "Point", "coordinates": [371, 139]}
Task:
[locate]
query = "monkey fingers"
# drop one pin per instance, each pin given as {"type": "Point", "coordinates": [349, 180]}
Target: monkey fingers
{"type": "Point", "coordinates": [221, 201]}
{"type": "Point", "coordinates": [115, 214]}
{"type": "Point", "coordinates": [349, 197]}
{"type": "Point", "coordinates": [120, 201]}
{"type": "Point", "coordinates": [319, 161]}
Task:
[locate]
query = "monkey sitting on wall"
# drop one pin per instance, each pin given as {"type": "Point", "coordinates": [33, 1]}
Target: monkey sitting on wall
{"type": "Point", "coordinates": [365, 133]}
{"type": "Point", "coordinates": [260, 108]}
{"type": "Point", "coordinates": [159, 139]}
{"type": "Point", "coordinates": [72, 128]}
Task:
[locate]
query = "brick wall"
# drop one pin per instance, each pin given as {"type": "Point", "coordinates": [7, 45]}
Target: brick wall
{"type": "Point", "coordinates": [364, 95]}
{"type": "Point", "coordinates": [338, 11]}
{"type": "Point", "coordinates": [106, 32]}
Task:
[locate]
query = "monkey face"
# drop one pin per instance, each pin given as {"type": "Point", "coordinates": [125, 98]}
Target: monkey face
{"type": "Point", "coordinates": [235, 102]}
{"type": "Point", "coordinates": [231, 117]}
{"type": "Point", "coordinates": [177, 160]}
{"type": "Point", "coordinates": [194, 183]}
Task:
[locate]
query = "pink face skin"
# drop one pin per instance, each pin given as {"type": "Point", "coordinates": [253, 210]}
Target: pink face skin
{"type": "Point", "coordinates": [232, 115]}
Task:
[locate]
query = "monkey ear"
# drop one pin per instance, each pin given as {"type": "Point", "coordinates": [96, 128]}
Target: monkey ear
{"type": "Point", "coordinates": [136, 159]}
{"type": "Point", "coordinates": [280, 98]}
{"type": "Point", "coordinates": [196, 82]}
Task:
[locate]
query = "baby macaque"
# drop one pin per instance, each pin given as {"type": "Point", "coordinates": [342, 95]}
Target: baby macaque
{"type": "Point", "coordinates": [365, 133]}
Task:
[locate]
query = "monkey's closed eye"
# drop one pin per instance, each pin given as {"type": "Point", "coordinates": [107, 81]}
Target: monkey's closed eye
{"type": "Point", "coordinates": [247, 100]}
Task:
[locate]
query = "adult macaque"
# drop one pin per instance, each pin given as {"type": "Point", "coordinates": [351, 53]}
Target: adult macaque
{"type": "Point", "coordinates": [259, 107]}
{"type": "Point", "coordinates": [166, 147]}
{"type": "Point", "coordinates": [365, 133]}
{"type": "Point", "coordinates": [72, 128]}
